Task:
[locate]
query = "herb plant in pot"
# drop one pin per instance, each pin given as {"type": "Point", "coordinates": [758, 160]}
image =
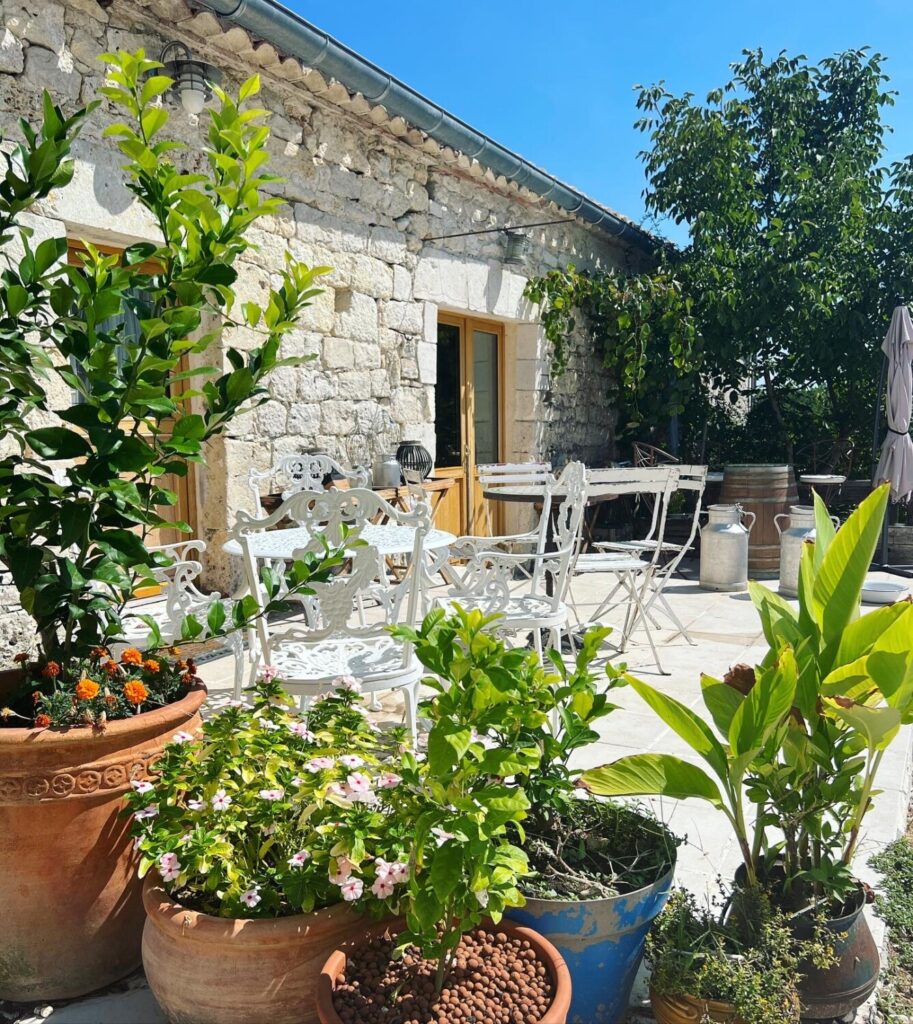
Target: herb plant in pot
{"type": "Point", "coordinates": [76, 726]}
{"type": "Point", "coordinates": [599, 871]}
{"type": "Point", "coordinates": [799, 741]}
{"type": "Point", "coordinates": [258, 839]}
{"type": "Point", "coordinates": [457, 958]}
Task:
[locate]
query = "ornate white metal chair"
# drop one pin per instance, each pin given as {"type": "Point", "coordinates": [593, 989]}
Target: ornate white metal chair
{"type": "Point", "coordinates": [633, 575]}
{"type": "Point", "coordinates": [177, 598]}
{"type": "Point", "coordinates": [302, 473]}
{"type": "Point", "coordinates": [535, 602]}
{"type": "Point", "coordinates": [494, 476]}
{"type": "Point", "coordinates": [309, 658]}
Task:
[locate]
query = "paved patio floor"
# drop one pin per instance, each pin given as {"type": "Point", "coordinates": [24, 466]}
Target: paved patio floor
{"type": "Point", "coordinates": [725, 630]}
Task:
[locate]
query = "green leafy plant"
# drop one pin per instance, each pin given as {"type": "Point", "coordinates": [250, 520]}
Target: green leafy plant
{"type": "Point", "coordinates": [701, 953]}
{"type": "Point", "coordinates": [76, 550]}
{"type": "Point", "coordinates": [270, 813]}
{"type": "Point", "coordinates": [801, 737]}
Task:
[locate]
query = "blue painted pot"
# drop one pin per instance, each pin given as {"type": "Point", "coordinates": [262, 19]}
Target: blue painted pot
{"type": "Point", "coordinates": [602, 942]}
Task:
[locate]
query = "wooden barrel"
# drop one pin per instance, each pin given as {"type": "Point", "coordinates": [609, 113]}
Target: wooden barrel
{"type": "Point", "coordinates": [766, 491]}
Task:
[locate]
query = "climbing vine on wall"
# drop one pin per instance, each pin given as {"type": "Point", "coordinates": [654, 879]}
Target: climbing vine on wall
{"type": "Point", "coordinates": [641, 327]}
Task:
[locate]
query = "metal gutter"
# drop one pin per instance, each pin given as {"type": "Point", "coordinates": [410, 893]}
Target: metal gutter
{"type": "Point", "coordinates": [289, 33]}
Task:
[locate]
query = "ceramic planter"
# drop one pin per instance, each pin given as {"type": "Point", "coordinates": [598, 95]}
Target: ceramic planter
{"type": "Point", "coordinates": [216, 970]}
{"type": "Point", "coordinates": [72, 904]}
{"type": "Point", "coordinates": [680, 1009]}
{"type": "Point", "coordinates": [557, 1013]}
{"type": "Point", "coordinates": [602, 942]}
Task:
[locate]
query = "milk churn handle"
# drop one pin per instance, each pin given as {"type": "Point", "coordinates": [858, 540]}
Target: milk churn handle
{"type": "Point", "coordinates": [743, 513]}
{"type": "Point", "coordinates": [777, 517]}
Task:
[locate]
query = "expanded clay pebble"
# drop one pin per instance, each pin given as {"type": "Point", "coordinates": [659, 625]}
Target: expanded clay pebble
{"type": "Point", "coordinates": [494, 979]}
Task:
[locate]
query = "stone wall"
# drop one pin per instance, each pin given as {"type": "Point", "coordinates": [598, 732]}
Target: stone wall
{"type": "Point", "coordinates": [363, 193]}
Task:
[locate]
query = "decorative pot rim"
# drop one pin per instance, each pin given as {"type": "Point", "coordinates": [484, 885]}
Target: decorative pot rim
{"type": "Point", "coordinates": [556, 1013]}
{"type": "Point", "coordinates": [173, 917]}
{"type": "Point", "coordinates": [186, 707]}
{"type": "Point", "coordinates": [721, 1006]}
{"type": "Point", "coordinates": [665, 878]}
{"type": "Point", "coordinates": [860, 900]}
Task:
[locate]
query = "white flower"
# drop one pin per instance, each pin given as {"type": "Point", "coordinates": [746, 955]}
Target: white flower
{"type": "Point", "coordinates": [182, 737]}
{"type": "Point", "coordinates": [389, 780]}
{"type": "Point", "coordinates": [221, 801]}
{"type": "Point", "coordinates": [236, 704]}
{"type": "Point", "coordinates": [299, 859]}
{"type": "Point", "coordinates": [441, 836]}
{"type": "Point", "coordinates": [195, 805]}
{"type": "Point", "coordinates": [269, 673]}
{"type": "Point", "coordinates": [269, 830]}
{"type": "Point", "coordinates": [319, 764]}
{"type": "Point", "coordinates": [399, 872]}
{"type": "Point", "coordinates": [351, 761]}
{"type": "Point", "coordinates": [482, 897]}
{"type": "Point", "coordinates": [250, 898]}
{"type": "Point", "coordinates": [297, 781]}
{"type": "Point", "coordinates": [186, 837]}
{"type": "Point", "coordinates": [300, 730]}
{"type": "Point", "coordinates": [147, 812]}
{"type": "Point", "coordinates": [272, 794]}
{"type": "Point", "coordinates": [169, 866]}
{"type": "Point", "coordinates": [359, 783]}
{"type": "Point", "coordinates": [141, 786]}
{"type": "Point", "coordinates": [265, 723]}
{"type": "Point", "coordinates": [343, 871]}
{"type": "Point", "coordinates": [347, 682]}
{"type": "Point", "coordinates": [352, 889]}
{"type": "Point", "coordinates": [382, 888]}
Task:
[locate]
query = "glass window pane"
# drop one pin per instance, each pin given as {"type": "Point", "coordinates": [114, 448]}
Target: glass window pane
{"type": "Point", "coordinates": [447, 422]}
{"type": "Point", "coordinates": [485, 377]}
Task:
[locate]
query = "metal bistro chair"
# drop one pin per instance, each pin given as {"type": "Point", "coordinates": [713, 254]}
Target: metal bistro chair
{"type": "Point", "coordinates": [488, 580]}
{"type": "Point", "coordinates": [309, 658]}
{"type": "Point", "coordinates": [633, 575]}
{"type": "Point", "coordinates": [302, 473]}
{"type": "Point", "coordinates": [499, 475]}
{"type": "Point", "coordinates": [693, 480]}
{"type": "Point", "coordinates": [178, 597]}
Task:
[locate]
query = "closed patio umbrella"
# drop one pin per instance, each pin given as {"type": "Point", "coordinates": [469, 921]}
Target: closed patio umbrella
{"type": "Point", "coordinates": [896, 463]}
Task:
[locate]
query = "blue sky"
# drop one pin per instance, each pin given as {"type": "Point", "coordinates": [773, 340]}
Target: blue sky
{"type": "Point", "coordinates": [553, 80]}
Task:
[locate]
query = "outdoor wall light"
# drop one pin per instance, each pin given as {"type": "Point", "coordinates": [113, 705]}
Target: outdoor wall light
{"type": "Point", "coordinates": [517, 248]}
{"type": "Point", "coordinates": [192, 78]}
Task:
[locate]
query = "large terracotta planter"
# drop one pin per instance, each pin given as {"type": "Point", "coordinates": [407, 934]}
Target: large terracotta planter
{"type": "Point", "coordinates": [72, 910]}
{"type": "Point", "coordinates": [545, 951]}
{"type": "Point", "coordinates": [216, 970]}
{"type": "Point", "coordinates": [680, 1009]}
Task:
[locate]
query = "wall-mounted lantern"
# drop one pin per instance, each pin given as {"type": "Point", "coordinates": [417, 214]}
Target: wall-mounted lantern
{"type": "Point", "coordinates": [192, 78]}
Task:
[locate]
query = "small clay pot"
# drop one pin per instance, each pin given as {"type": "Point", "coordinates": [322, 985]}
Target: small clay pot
{"type": "Point", "coordinates": [545, 952]}
{"type": "Point", "coordinates": [72, 908]}
{"type": "Point", "coordinates": [220, 970]}
{"type": "Point", "coordinates": [681, 1009]}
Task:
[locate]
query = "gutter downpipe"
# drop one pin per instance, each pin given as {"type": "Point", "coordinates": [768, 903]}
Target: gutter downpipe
{"type": "Point", "coordinates": [291, 34]}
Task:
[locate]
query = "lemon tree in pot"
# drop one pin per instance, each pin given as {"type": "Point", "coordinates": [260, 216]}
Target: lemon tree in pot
{"type": "Point", "coordinates": [259, 840]}
{"type": "Point", "coordinates": [794, 746]}
{"type": "Point", "coordinates": [75, 724]}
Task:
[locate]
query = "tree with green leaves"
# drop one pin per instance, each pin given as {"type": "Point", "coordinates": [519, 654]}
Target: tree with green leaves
{"type": "Point", "coordinates": [76, 550]}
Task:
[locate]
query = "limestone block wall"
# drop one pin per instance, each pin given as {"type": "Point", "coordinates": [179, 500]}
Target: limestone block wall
{"type": "Point", "coordinates": [364, 195]}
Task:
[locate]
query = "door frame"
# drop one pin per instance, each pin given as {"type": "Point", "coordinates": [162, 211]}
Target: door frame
{"type": "Point", "coordinates": [467, 326]}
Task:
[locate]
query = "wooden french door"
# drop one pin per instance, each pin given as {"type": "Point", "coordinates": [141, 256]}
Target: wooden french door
{"type": "Point", "coordinates": [468, 417]}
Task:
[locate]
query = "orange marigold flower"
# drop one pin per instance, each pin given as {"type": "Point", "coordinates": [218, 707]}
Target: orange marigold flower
{"type": "Point", "coordinates": [174, 650]}
{"type": "Point", "coordinates": [180, 665]}
{"type": "Point", "coordinates": [131, 656]}
{"type": "Point", "coordinates": [36, 696]}
{"type": "Point", "coordinates": [42, 721]}
{"type": "Point", "coordinates": [188, 679]}
{"type": "Point", "coordinates": [86, 689]}
{"type": "Point", "coordinates": [135, 692]}
{"type": "Point", "coordinates": [99, 652]}
{"type": "Point", "coordinates": [111, 667]}
{"type": "Point", "coordinates": [151, 665]}
{"type": "Point", "coordinates": [51, 670]}
{"type": "Point", "coordinates": [21, 658]}
{"type": "Point", "coordinates": [110, 700]}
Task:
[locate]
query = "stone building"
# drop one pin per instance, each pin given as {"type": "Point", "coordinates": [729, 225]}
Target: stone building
{"type": "Point", "coordinates": [376, 187]}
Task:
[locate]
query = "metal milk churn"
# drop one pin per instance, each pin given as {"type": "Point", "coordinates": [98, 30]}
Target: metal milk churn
{"type": "Point", "coordinates": [724, 548]}
{"type": "Point", "coordinates": [801, 528]}
{"type": "Point", "coordinates": [387, 471]}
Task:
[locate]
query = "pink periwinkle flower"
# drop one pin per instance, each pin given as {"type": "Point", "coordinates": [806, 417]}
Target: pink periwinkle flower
{"type": "Point", "coordinates": [319, 764]}
{"type": "Point", "coordinates": [300, 730]}
{"type": "Point", "coordinates": [352, 889]}
{"type": "Point", "coordinates": [399, 872]}
{"type": "Point", "coordinates": [182, 737]}
{"type": "Point", "coordinates": [147, 812]}
{"type": "Point", "coordinates": [195, 805]}
{"type": "Point", "coordinates": [359, 783]}
{"type": "Point", "coordinates": [250, 898]}
{"type": "Point", "coordinates": [347, 682]}
{"type": "Point", "coordinates": [389, 780]}
{"type": "Point", "coordinates": [382, 887]}
{"type": "Point", "coordinates": [169, 866]}
{"type": "Point", "coordinates": [272, 794]}
{"type": "Point", "coordinates": [343, 871]}
{"type": "Point", "coordinates": [299, 859]}
{"type": "Point", "coordinates": [441, 836]}
{"type": "Point", "coordinates": [221, 801]}
{"type": "Point", "coordinates": [269, 673]}
{"type": "Point", "coordinates": [351, 761]}
{"type": "Point", "coordinates": [142, 786]}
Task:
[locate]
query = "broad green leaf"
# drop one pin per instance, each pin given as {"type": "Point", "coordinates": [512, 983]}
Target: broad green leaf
{"type": "Point", "coordinates": [778, 617]}
{"type": "Point", "coordinates": [652, 775]}
{"type": "Point", "coordinates": [890, 661]}
{"type": "Point", "coordinates": [824, 530]}
{"type": "Point", "coordinates": [57, 443]}
{"type": "Point", "coordinates": [877, 726]}
{"type": "Point", "coordinates": [859, 636]}
{"type": "Point", "coordinates": [721, 701]}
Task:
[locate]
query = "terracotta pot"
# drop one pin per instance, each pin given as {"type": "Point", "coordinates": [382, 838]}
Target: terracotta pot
{"type": "Point", "coordinates": [72, 908]}
{"type": "Point", "coordinates": [690, 1010]}
{"type": "Point", "coordinates": [215, 970]}
{"type": "Point", "coordinates": [545, 951]}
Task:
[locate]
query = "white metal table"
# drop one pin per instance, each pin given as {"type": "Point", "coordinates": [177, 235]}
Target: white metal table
{"type": "Point", "coordinates": [389, 539]}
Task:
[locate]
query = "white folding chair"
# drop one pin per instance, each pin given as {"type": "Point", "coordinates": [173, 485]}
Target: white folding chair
{"type": "Point", "coordinates": [537, 602]}
{"type": "Point", "coordinates": [309, 658]}
{"type": "Point", "coordinates": [495, 476]}
{"type": "Point", "coordinates": [691, 479]}
{"type": "Point", "coordinates": [632, 575]}
{"type": "Point", "coordinates": [302, 473]}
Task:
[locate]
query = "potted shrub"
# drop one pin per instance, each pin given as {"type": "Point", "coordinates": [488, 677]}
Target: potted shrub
{"type": "Point", "coordinates": [455, 950]}
{"type": "Point", "coordinates": [704, 968]}
{"type": "Point", "coordinates": [803, 736]}
{"type": "Point", "coordinates": [599, 872]}
{"type": "Point", "coordinates": [77, 726]}
{"type": "Point", "coordinates": [259, 838]}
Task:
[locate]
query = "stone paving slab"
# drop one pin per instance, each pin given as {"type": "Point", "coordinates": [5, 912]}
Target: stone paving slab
{"type": "Point", "coordinates": [726, 630]}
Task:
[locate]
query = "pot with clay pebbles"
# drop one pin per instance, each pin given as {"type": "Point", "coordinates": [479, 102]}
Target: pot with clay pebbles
{"type": "Point", "coordinates": [499, 974]}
